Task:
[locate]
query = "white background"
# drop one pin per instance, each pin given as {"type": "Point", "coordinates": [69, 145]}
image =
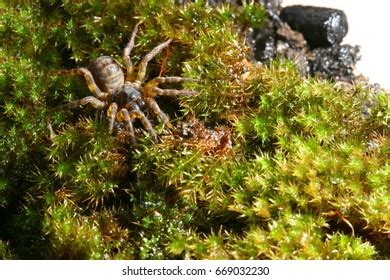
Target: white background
{"type": "Point", "coordinates": [112, 270]}
{"type": "Point", "coordinates": [369, 24]}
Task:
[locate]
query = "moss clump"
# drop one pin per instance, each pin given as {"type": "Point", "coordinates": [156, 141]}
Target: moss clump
{"type": "Point", "coordinates": [260, 164]}
{"type": "Point", "coordinates": [296, 180]}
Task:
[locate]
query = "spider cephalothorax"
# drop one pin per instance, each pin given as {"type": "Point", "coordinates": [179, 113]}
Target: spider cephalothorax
{"type": "Point", "coordinates": [125, 96]}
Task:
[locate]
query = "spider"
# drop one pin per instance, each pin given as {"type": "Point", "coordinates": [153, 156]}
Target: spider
{"type": "Point", "coordinates": [126, 96]}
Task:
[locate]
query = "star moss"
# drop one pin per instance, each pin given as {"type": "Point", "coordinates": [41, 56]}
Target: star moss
{"type": "Point", "coordinates": [261, 164]}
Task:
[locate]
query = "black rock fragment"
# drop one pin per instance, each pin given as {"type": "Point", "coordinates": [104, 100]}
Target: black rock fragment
{"type": "Point", "coordinates": [336, 63]}
{"type": "Point", "coordinates": [272, 4]}
{"type": "Point", "coordinates": [291, 45]}
{"type": "Point", "coordinates": [277, 39]}
{"type": "Point", "coordinates": [321, 27]}
{"type": "Point", "coordinates": [308, 36]}
{"type": "Point", "coordinates": [264, 42]}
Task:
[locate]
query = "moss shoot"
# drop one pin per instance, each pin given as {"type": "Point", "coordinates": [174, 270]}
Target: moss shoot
{"type": "Point", "coordinates": [261, 164]}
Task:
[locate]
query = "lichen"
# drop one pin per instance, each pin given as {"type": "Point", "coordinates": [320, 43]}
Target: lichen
{"type": "Point", "coordinates": [261, 164]}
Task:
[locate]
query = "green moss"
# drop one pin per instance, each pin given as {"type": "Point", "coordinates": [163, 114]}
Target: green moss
{"type": "Point", "coordinates": [261, 164]}
{"type": "Point", "coordinates": [5, 251]}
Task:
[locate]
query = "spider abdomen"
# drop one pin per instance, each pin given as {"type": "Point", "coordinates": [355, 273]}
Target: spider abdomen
{"type": "Point", "coordinates": [107, 74]}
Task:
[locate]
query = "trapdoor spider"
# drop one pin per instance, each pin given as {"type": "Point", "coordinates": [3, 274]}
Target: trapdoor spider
{"type": "Point", "coordinates": [126, 96]}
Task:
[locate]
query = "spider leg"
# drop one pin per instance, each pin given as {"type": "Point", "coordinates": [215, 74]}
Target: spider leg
{"type": "Point", "coordinates": [112, 110]}
{"type": "Point", "coordinates": [127, 51]}
{"type": "Point", "coordinates": [134, 114]}
{"type": "Point", "coordinates": [174, 79]}
{"type": "Point", "coordinates": [170, 92]}
{"type": "Point", "coordinates": [152, 104]}
{"type": "Point", "coordinates": [125, 114]}
{"type": "Point", "coordinates": [147, 58]}
{"type": "Point", "coordinates": [174, 92]}
{"type": "Point", "coordinates": [120, 64]}
{"type": "Point", "coordinates": [90, 81]}
{"type": "Point", "coordinates": [96, 103]}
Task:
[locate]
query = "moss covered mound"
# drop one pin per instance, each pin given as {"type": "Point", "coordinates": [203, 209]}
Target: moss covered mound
{"type": "Point", "coordinates": [261, 164]}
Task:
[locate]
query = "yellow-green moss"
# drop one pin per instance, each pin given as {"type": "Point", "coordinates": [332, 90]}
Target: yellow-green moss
{"type": "Point", "coordinates": [260, 164]}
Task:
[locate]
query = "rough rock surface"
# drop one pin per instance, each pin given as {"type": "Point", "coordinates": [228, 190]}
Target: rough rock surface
{"type": "Point", "coordinates": [321, 27]}
{"type": "Point", "coordinates": [311, 37]}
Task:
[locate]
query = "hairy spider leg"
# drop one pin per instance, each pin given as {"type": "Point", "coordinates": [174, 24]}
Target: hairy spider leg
{"type": "Point", "coordinates": [137, 114]}
{"type": "Point", "coordinates": [126, 54]}
{"type": "Point", "coordinates": [125, 114]}
{"type": "Point", "coordinates": [152, 104]}
{"type": "Point", "coordinates": [111, 112]}
{"type": "Point", "coordinates": [96, 103]}
{"type": "Point", "coordinates": [172, 92]}
{"type": "Point", "coordinates": [119, 63]}
{"type": "Point", "coordinates": [90, 81]}
{"type": "Point", "coordinates": [173, 79]}
{"type": "Point", "coordinates": [144, 62]}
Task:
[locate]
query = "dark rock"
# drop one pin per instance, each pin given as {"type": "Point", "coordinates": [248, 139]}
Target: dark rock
{"type": "Point", "coordinates": [269, 4]}
{"type": "Point", "coordinates": [308, 36]}
{"type": "Point", "coordinates": [273, 5]}
{"type": "Point", "coordinates": [292, 46]}
{"type": "Point", "coordinates": [264, 42]}
{"type": "Point", "coordinates": [264, 39]}
{"type": "Point", "coordinates": [293, 38]}
{"type": "Point", "coordinates": [335, 63]}
{"type": "Point", "coordinates": [321, 27]}
{"type": "Point", "coordinates": [276, 38]}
